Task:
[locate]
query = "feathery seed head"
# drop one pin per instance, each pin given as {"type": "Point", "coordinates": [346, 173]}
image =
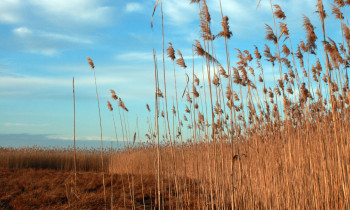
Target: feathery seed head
{"type": "Point", "coordinates": [256, 52]}
{"type": "Point", "coordinates": [171, 51]}
{"type": "Point", "coordinates": [122, 105]}
{"type": "Point", "coordinates": [270, 35]}
{"type": "Point", "coordinates": [180, 61]}
{"type": "Point", "coordinates": [198, 48]}
{"type": "Point", "coordinates": [225, 28]}
{"type": "Point", "coordinates": [109, 106]}
{"type": "Point", "coordinates": [195, 92]}
{"type": "Point", "coordinates": [278, 12]}
{"type": "Point", "coordinates": [114, 96]}
{"type": "Point", "coordinates": [320, 10]}
{"type": "Point", "coordinates": [311, 36]}
{"type": "Point", "coordinates": [91, 63]}
{"type": "Point", "coordinates": [340, 3]}
{"type": "Point", "coordinates": [285, 50]}
{"type": "Point", "coordinates": [337, 12]}
{"type": "Point", "coordinates": [196, 80]}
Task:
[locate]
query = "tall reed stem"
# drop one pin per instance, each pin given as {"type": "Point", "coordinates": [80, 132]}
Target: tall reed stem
{"type": "Point", "coordinates": [99, 114]}
{"type": "Point", "coordinates": [75, 151]}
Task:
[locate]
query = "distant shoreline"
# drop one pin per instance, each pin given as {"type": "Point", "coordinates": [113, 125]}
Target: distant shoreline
{"type": "Point", "coordinates": [52, 143]}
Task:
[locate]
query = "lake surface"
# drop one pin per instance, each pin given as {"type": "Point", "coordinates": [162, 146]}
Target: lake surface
{"type": "Point", "coordinates": [25, 140]}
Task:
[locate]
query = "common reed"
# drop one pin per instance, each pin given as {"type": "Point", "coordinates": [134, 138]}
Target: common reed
{"type": "Point", "coordinates": [279, 144]}
{"type": "Point", "coordinates": [92, 65]}
{"type": "Point", "coordinates": [51, 158]}
{"type": "Point", "coordinates": [242, 140]}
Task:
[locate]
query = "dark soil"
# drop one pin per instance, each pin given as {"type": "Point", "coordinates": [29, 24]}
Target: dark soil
{"type": "Point", "coordinates": [50, 189]}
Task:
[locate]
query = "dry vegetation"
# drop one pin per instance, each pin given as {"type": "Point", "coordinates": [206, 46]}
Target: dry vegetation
{"type": "Point", "coordinates": [239, 142]}
{"type": "Point", "coordinates": [49, 158]}
{"type": "Point", "coordinates": [52, 189]}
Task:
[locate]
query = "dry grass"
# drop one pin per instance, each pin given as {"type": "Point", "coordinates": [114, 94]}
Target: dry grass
{"type": "Point", "coordinates": [56, 159]}
{"type": "Point", "coordinates": [43, 189]}
{"type": "Point", "coordinates": [300, 170]}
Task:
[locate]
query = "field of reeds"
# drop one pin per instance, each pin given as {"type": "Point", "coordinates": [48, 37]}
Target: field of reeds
{"type": "Point", "coordinates": [237, 140]}
{"type": "Point", "coordinates": [50, 158]}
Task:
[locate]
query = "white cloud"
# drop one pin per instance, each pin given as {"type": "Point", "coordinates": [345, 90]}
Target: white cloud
{"type": "Point", "coordinates": [108, 77]}
{"type": "Point", "coordinates": [87, 12]}
{"type": "Point", "coordinates": [43, 51]}
{"type": "Point", "coordinates": [179, 12]}
{"type": "Point", "coordinates": [133, 7]}
{"type": "Point", "coordinates": [39, 82]}
{"type": "Point", "coordinates": [31, 82]}
{"type": "Point", "coordinates": [236, 10]}
{"type": "Point", "coordinates": [62, 13]}
{"type": "Point", "coordinates": [48, 27]}
{"type": "Point", "coordinates": [22, 31]}
{"type": "Point", "coordinates": [45, 43]}
{"type": "Point", "coordinates": [8, 18]}
{"type": "Point", "coordinates": [64, 37]}
{"type": "Point", "coordinates": [136, 56]}
{"type": "Point", "coordinates": [10, 11]}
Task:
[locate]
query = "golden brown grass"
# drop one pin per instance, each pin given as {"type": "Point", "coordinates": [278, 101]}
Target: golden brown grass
{"type": "Point", "coordinates": [298, 170]}
{"type": "Point", "coordinates": [51, 189]}
{"type": "Point", "coordinates": [46, 158]}
{"type": "Point", "coordinates": [282, 144]}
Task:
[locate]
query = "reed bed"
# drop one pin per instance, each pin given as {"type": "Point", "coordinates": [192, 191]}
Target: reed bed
{"type": "Point", "coordinates": [299, 171]}
{"type": "Point", "coordinates": [238, 140]}
{"type": "Point", "coordinates": [50, 158]}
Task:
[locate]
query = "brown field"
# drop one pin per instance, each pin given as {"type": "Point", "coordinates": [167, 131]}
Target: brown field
{"type": "Point", "coordinates": [272, 173]}
{"type": "Point", "coordinates": [26, 185]}
{"type": "Point", "coordinates": [51, 189]}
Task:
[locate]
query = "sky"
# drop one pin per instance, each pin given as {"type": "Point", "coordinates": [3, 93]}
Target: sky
{"type": "Point", "coordinates": [44, 44]}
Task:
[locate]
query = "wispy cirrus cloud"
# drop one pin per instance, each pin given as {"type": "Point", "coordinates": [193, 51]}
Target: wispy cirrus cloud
{"type": "Point", "coordinates": [28, 33]}
{"type": "Point", "coordinates": [39, 82]}
{"type": "Point", "coordinates": [22, 31]}
{"type": "Point", "coordinates": [10, 11]}
{"type": "Point", "coordinates": [61, 13]}
{"type": "Point", "coordinates": [133, 7]}
{"type": "Point", "coordinates": [135, 56]}
{"type": "Point", "coordinates": [180, 12]}
{"type": "Point", "coordinates": [50, 27]}
{"type": "Point", "coordinates": [46, 43]}
{"type": "Point", "coordinates": [73, 12]}
{"type": "Point", "coordinates": [47, 88]}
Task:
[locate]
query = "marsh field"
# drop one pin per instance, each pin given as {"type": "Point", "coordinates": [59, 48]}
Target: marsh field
{"type": "Point", "coordinates": [228, 137]}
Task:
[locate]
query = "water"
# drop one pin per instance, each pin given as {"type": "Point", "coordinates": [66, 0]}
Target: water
{"type": "Point", "coordinates": [27, 140]}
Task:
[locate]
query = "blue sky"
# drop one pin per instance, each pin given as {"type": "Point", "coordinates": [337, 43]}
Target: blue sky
{"type": "Point", "coordinates": [45, 43]}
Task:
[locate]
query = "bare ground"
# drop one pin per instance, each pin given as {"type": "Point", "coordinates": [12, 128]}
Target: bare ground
{"type": "Point", "coordinates": [50, 189]}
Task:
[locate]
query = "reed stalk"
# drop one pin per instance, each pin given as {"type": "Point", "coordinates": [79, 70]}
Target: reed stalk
{"type": "Point", "coordinates": [99, 114]}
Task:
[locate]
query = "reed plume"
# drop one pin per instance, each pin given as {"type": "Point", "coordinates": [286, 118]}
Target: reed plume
{"type": "Point", "coordinates": [171, 52]}
{"type": "Point", "coordinates": [311, 36]}
{"type": "Point", "coordinates": [122, 105]}
{"type": "Point", "coordinates": [225, 28]}
{"type": "Point", "coordinates": [278, 12]}
{"type": "Point", "coordinates": [180, 61]}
